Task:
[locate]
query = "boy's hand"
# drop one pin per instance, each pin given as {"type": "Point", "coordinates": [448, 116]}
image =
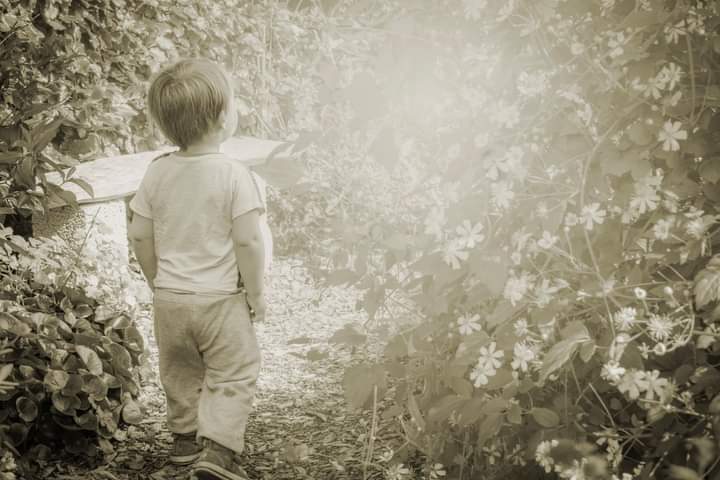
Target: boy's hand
{"type": "Point", "coordinates": [256, 303]}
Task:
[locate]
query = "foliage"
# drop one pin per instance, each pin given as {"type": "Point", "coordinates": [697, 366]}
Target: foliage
{"type": "Point", "coordinates": [56, 96]}
{"type": "Point", "coordinates": [69, 350]}
{"type": "Point", "coordinates": [79, 91]}
{"type": "Point", "coordinates": [534, 186]}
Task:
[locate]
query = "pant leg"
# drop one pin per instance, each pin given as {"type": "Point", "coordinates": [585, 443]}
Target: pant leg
{"type": "Point", "coordinates": [230, 351]}
{"type": "Point", "coordinates": [181, 365]}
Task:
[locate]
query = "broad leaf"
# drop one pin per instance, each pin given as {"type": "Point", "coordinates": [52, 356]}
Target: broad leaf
{"type": "Point", "coordinates": [558, 356]}
{"type": "Point", "coordinates": [95, 387]}
{"type": "Point", "coordinates": [90, 359]}
{"type": "Point", "coordinates": [55, 380]}
{"type": "Point", "coordinates": [27, 409]}
{"type": "Point", "coordinates": [132, 412]}
{"type": "Point", "coordinates": [545, 418]}
{"type": "Point", "coordinates": [5, 371]}
{"type": "Point", "coordinates": [87, 421]}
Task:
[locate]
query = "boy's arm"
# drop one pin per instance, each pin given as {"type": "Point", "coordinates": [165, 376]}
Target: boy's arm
{"type": "Point", "coordinates": [250, 255]}
{"type": "Point", "coordinates": [142, 237]}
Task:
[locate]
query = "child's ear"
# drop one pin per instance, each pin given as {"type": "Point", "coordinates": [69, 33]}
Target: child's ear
{"type": "Point", "coordinates": [229, 120]}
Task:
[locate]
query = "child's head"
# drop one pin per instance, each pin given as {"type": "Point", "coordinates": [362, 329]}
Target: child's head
{"type": "Point", "coordinates": [192, 101]}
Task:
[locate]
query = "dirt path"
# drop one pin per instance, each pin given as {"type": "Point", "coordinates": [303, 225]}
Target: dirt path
{"type": "Point", "coordinates": [301, 427]}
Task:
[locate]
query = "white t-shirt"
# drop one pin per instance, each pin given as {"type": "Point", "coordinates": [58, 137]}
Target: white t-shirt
{"type": "Point", "coordinates": [192, 202]}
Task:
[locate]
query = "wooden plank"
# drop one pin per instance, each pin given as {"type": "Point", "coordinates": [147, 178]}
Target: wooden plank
{"type": "Point", "coordinates": [118, 177]}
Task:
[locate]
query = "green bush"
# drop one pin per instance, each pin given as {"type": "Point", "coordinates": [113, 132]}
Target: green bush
{"type": "Point", "coordinates": [69, 349]}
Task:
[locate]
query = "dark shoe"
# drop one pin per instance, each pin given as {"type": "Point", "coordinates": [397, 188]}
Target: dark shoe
{"type": "Point", "coordinates": [185, 449]}
{"type": "Point", "coordinates": [218, 463]}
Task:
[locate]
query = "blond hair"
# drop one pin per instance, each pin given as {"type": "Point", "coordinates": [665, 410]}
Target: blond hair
{"type": "Point", "coordinates": [187, 99]}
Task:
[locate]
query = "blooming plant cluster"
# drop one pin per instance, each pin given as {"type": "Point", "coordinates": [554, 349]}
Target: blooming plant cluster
{"type": "Point", "coordinates": [69, 348]}
{"type": "Point", "coordinates": [541, 221]}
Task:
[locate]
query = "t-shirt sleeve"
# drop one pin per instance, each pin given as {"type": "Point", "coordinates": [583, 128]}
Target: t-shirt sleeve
{"type": "Point", "coordinates": [245, 193]}
{"type": "Point", "coordinates": [140, 203]}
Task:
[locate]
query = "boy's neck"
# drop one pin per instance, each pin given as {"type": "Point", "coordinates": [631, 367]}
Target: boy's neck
{"type": "Point", "coordinates": [201, 148]}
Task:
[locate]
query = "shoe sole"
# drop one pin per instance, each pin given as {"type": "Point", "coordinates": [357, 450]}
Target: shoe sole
{"type": "Point", "coordinates": [184, 459]}
{"type": "Point", "coordinates": [210, 471]}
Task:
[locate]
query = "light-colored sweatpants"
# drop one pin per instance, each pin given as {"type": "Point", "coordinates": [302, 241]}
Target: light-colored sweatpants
{"type": "Point", "coordinates": [209, 364]}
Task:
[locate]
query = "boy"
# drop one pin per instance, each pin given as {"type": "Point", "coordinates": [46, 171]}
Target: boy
{"type": "Point", "coordinates": [195, 232]}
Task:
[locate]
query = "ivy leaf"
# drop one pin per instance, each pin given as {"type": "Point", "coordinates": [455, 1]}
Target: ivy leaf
{"type": "Point", "coordinates": [5, 371]}
{"type": "Point", "coordinates": [95, 387]}
{"type": "Point", "coordinates": [73, 386]}
{"type": "Point", "coordinates": [132, 412]}
{"type": "Point", "coordinates": [90, 359]}
{"type": "Point", "coordinates": [121, 360]}
{"type": "Point", "coordinates": [26, 408]}
{"type": "Point", "coordinates": [62, 402]}
{"type": "Point", "coordinates": [545, 417]}
{"type": "Point", "coordinates": [55, 380]}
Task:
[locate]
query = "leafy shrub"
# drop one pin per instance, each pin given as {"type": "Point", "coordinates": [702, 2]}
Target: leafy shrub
{"type": "Point", "coordinates": [79, 91]}
{"type": "Point", "coordinates": [59, 99]}
{"type": "Point", "coordinates": [68, 345]}
{"type": "Point", "coordinates": [543, 214]}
